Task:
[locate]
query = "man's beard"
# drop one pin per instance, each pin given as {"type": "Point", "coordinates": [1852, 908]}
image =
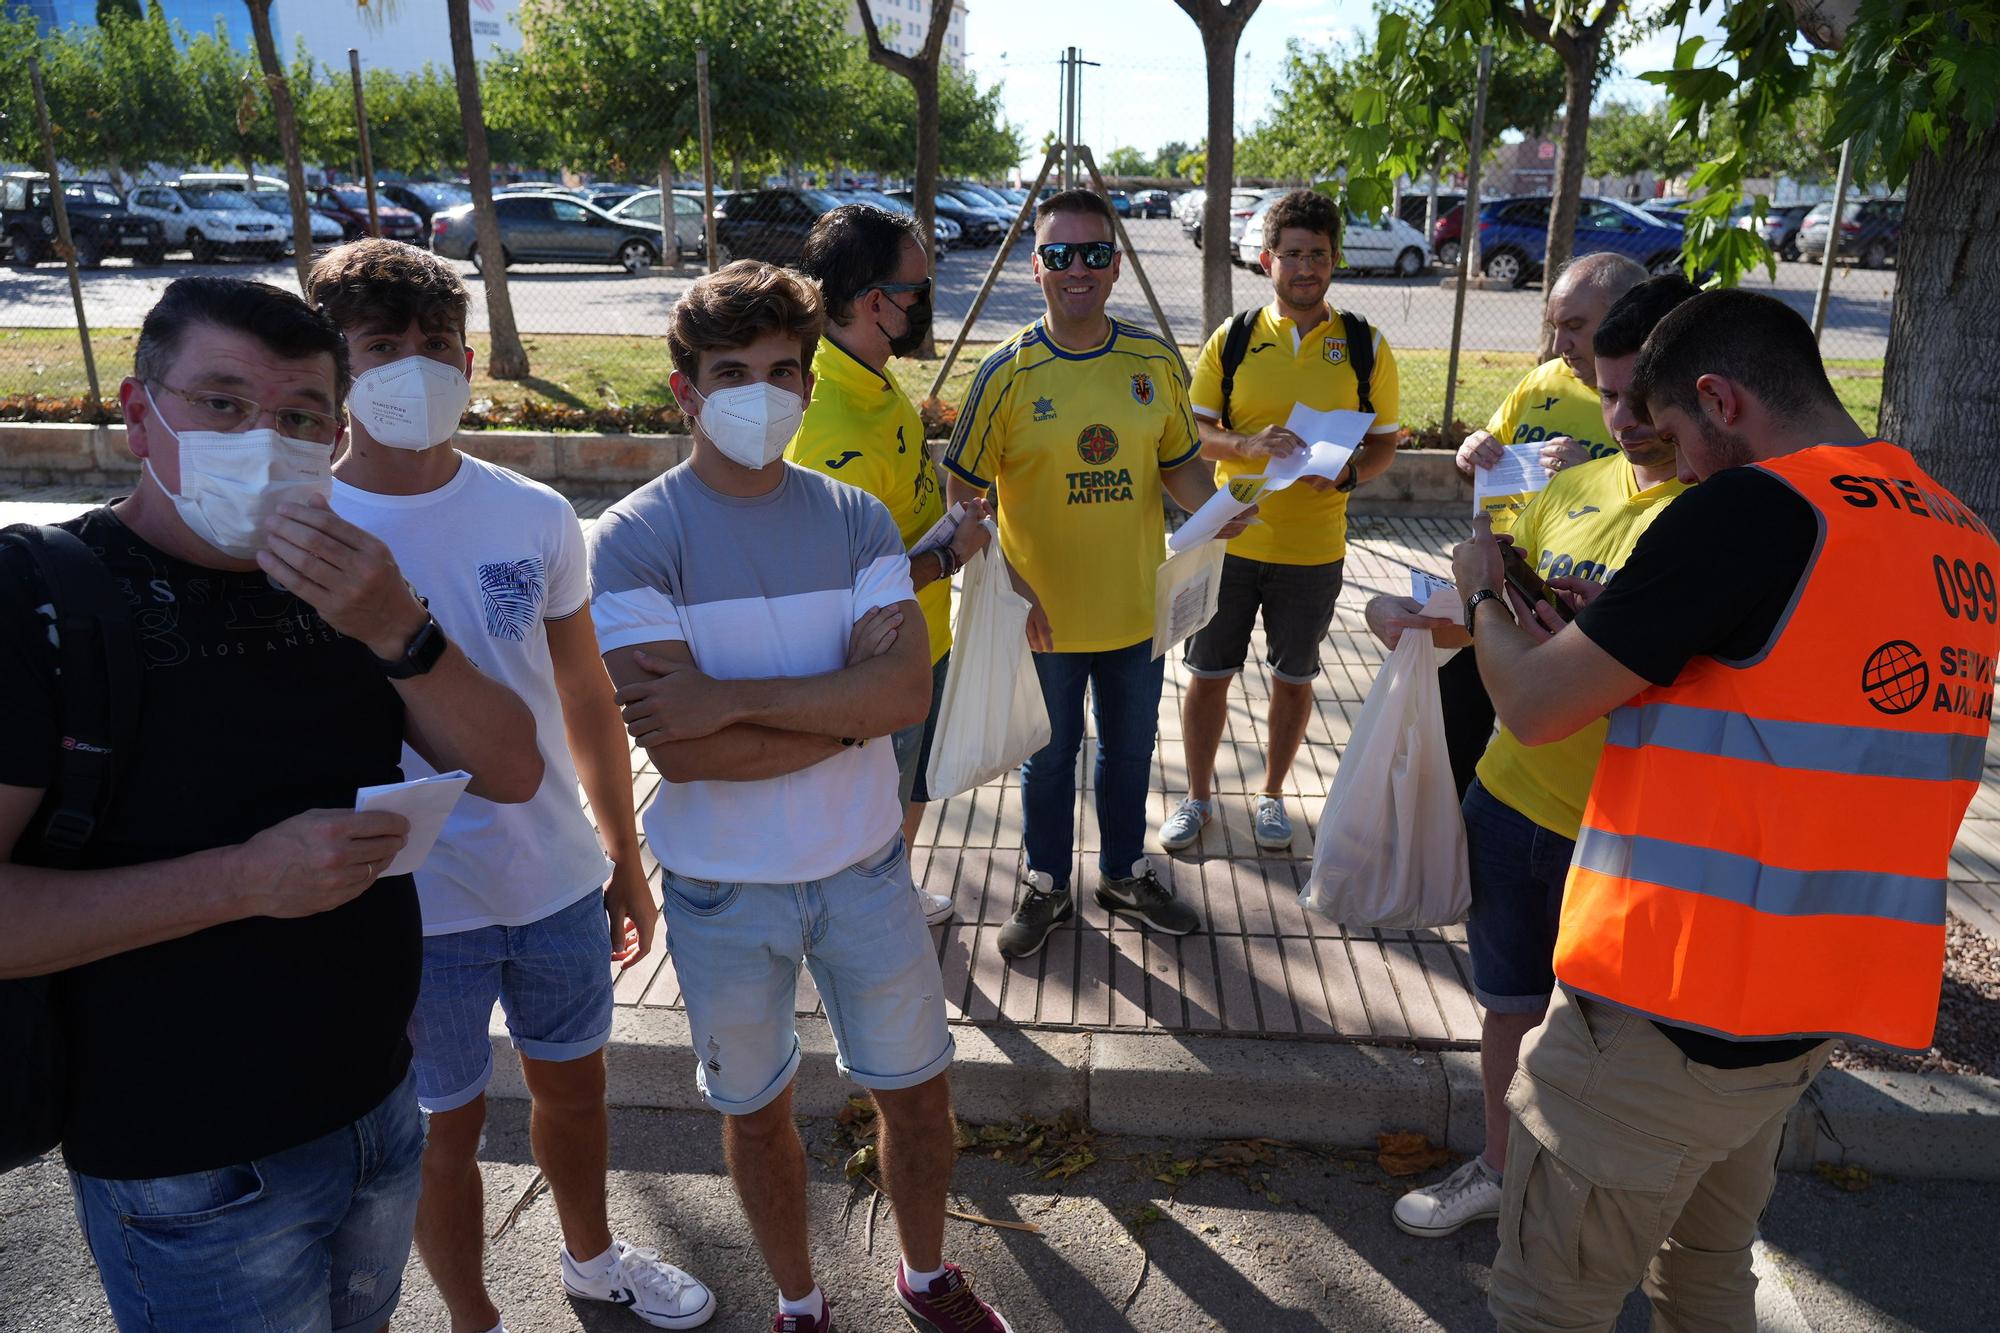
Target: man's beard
{"type": "Point", "coordinates": [1725, 448]}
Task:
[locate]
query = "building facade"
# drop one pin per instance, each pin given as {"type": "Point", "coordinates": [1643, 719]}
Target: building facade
{"type": "Point", "coordinates": [412, 36]}
{"type": "Point", "coordinates": [906, 24]}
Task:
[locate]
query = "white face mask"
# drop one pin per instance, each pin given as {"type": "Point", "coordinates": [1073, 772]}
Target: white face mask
{"type": "Point", "coordinates": [233, 482]}
{"type": "Point", "coordinates": [751, 423]}
{"type": "Point", "coordinates": [414, 403]}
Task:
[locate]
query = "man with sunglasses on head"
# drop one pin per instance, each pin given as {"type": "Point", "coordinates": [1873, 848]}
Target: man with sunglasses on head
{"type": "Point", "coordinates": [236, 972]}
{"type": "Point", "coordinates": [1290, 564]}
{"type": "Point", "coordinates": [861, 428]}
{"type": "Point", "coordinates": [1077, 423]}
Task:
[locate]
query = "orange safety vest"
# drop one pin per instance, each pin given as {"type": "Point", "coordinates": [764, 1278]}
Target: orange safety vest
{"type": "Point", "coordinates": [1766, 845]}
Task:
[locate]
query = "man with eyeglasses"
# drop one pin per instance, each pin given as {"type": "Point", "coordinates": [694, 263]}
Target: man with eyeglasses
{"type": "Point", "coordinates": [1289, 565]}
{"type": "Point", "coordinates": [233, 971]}
{"type": "Point", "coordinates": [1077, 423]}
{"type": "Point", "coordinates": [861, 428]}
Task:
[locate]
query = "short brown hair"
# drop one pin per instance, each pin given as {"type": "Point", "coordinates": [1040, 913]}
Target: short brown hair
{"type": "Point", "coordinates": [1305, 210]}
{"type": "Point", "coordinates": [1079, 200]}
{"type": "Point", "coordinates": [376, 284]}
{"type": "Point", "coordinates": [739, 304]}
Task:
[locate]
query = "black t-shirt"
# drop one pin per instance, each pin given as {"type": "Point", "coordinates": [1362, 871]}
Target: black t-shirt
{"type": "Point", "coordinates": [1711, 577]}
{"type": "Point", "coordinates": [256, 1035]}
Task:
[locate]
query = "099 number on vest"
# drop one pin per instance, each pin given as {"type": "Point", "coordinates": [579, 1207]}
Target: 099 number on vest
{"type": "Point", "coordinates": [1967, 590]}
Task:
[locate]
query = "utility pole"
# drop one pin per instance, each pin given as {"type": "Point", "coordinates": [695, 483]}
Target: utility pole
{"type": "Point", "coordinates": [1832, 241]}
{"type": "Point", "coordinates": [707, 155]}
{"type": "Point", "coordinates": [1468, 236]}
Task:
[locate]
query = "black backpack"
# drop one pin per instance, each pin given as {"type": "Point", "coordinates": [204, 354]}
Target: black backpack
{"type": "Point", "coordinates": [99, 685]}
{"type": "Point", "coordinates": [1360, 354]}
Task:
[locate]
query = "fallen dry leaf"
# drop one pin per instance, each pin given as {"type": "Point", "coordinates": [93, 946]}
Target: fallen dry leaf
{"type": "Point", "coordinates": [1408, 1153]}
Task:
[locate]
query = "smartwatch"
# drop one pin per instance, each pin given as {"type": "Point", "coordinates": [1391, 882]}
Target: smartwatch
{"type": "Point", "coordinates": [422, 652]}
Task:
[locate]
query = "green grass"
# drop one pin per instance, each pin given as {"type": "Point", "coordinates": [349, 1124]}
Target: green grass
{"type": "Point", "coordinates": [593, 370]}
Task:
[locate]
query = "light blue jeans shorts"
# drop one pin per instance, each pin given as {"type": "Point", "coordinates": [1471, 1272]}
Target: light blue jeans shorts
{"type": "Point", "coordinates": [738, 948]}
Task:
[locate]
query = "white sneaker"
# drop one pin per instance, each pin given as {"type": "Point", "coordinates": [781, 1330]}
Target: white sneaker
{"type": "Point", "coordinates": [1183, 827]}
{"type": "Point", "coordinates": [1271, 826]}
{"type": "Point", "coordinates": [937, 908]}
{"type": "Point", "coordinates": [1466, 1195]}
{"type": "Point", "coordinates": [646, 1284]}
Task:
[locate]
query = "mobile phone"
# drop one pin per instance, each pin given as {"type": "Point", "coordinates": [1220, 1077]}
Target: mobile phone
{"type": "Point", "coordinates": [1522, 577]}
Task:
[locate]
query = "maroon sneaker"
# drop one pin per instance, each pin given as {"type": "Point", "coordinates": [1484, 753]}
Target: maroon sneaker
{"type": "Point", "coordinates": [949, 1306]}
{"type": "Point", "coordinates": [805, 1323]}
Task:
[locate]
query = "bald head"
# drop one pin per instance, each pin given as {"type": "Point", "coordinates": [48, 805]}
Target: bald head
{"type": "Point", "coordinates": [1584, 290]}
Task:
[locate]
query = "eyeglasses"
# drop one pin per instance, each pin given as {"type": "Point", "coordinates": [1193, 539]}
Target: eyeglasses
{"type": "Point", "coordinates": [923, 288]}
{"type": "Point", "coordinates": [1057, 254]}
{"type": "Point", "coordinates": [1304, 258]}
{"type": "Point", "coordinates": [215, 410]}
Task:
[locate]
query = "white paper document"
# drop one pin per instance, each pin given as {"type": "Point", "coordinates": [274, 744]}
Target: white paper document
{"type": "Point", "coordinates": [1215, 513]}
{"type": "Point", "coordinates": [1423, 583]}
{"type": "Point", "coordinates": [1507, 486]}
{"type": "Point", "coordinates": [1331, 439]}
{"type": "Point", "coordinates": [1185, 592]}
{"type": "Point", "coordinates": [941, 531]}
{"type": "Point", "coordinates": [425, 802]}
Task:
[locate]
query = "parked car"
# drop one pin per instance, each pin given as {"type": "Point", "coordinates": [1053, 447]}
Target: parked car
{"type": "Point", "coordinates": [424, 198]}
{"type": "Point", "coordinates": [987, 195]}
{"type": "Point", "coordinates": [607, 195]}
{"type": "Point", "coordinates": [348, 205]}
{"type": "Point", "coordinates": [1780, 227]}
{"type": "Point", "coordinates": [1416, 207]}
{"type": "Point", "coordinates": [1513, 236]}
{"type": "Point", "coordinates": [1445, 235]}
{"type": "Point", "coordinates": [1870, 231]}
{"type": "Point", "coordinates": [99, 223]}
{"type": "Point", "coordinates": [211, 223]}
{"type": "Point", "coordinates": [1120, 201]}
{"type": "Point", "coordinates": [976, 226]}
{"type": "Point", "coordinates": [550, 229]}
{"type": "Point", "coordinates": [770, 224]}
{"type": "Point", "coordinates": [976, 200]}
{"type": "Point", "coordinates": [948, 234]}
{"type": "Point", "coordinates": [270, 194]}
{"type": "Point", "coordinates": [1387, 244]}
{"type": "Point", "coordinates": [690, 236]}
{"type": "Point", "coordinates": [1241, 220]}
{"type": "Point", "coordinates": [537, 187]}
{"type": "Point", "coordinates": [1242, 203]}
{"type": "Point", "coordinates": [1152, 204]}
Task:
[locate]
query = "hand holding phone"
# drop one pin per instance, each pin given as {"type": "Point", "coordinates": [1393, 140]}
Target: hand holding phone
{"type": "Point", "coordinates": [1523, 579]}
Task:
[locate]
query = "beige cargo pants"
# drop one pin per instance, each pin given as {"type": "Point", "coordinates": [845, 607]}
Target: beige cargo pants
{"type": "Point", "coordinates": [1629, 1164]}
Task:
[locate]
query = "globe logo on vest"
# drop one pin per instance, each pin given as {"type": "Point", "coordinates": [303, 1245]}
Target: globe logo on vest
{"type": "Point", "coordinates": [1895, 678]}
{"type": "Point", "coordinates": [1097, 444]}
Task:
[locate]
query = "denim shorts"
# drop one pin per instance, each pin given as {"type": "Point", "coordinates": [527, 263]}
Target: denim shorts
{"type": "Point", "coordinates": [1297, 602]}
{"type": "Point", "coordinates": [913, 744]}
{"type": "Point", "coordinates": [312, 1238]}
{"type": "Point", "coordinates": [737, 948]}
{"type": "Point", "coordinates": [552, 978]}
{"type": "Point", "coordinates": [1518, 869]}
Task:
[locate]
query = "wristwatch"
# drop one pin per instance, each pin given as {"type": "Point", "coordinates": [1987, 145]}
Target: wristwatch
{"type": "Point", "coordinates": [1353, 475]}
{"type": "Point", "coordinates": [1472, 606]}
{"type": "Point", "coordinates": [422, 652]}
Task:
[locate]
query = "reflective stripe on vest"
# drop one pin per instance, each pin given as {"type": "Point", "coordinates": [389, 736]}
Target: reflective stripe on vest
{"type": "Point", "coordinates": [1767, 842]}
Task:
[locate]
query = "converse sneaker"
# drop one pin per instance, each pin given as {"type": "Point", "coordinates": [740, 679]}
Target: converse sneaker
{"type": "Point", "coordinates": [1046, 907]}
{"type": "Point", "coordinates": [937, 908]}
{"type": "Point", "coordinates": [1272, 828]}
{"type": "Point", "coordinates": [948, 1305]}
{"type": "Point", "coordinates": [1183, 827]}
{"type": "Point", "coordinates": [1466, 1195]}
{"type": "Point", "coordinates": [805, 1323]}
{"type": "Point", "coordinates": [1142, 897]}
{"type": "Point", "coordinates": [640, 1280]}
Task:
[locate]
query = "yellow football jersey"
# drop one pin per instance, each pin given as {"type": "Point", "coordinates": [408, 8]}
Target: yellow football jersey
{"type": "Point", "coordinates": [1583, 526]}
{"type": "Point", "coordinates": [1074, 443]}
{"type": "Point", "coordinates": [1282, 367]}
{"type": "Point", "coordinates": [861, 428]}
{"type": "Point", "coordinates": [1549, 401]}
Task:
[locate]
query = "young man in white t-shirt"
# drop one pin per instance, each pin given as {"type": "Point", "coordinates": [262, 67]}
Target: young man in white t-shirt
{"type": "Point", "coordinates": [520, 903]}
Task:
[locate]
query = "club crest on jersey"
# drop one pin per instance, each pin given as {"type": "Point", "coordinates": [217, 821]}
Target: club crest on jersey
{"type": "Point", "coordinates": [1097, 444]}
{"type": "Point", "coordinates": [1045, 409]}
{"type": "Point", "coordinates": [1142, 390]}
{"type": "Point", "coordinates": [1336, 351]}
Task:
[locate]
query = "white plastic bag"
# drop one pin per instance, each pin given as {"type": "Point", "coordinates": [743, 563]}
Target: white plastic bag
{"type": "Point", "coordinates": [1391, 848]}
{"type": "Point", "coordinates": [992, 716]}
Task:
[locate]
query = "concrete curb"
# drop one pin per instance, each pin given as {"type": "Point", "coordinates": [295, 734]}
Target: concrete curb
{"type": "Point", "coordinates": [1209, 1087]}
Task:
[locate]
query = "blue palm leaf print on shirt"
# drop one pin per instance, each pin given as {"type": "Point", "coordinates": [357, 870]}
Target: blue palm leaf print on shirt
{"type": "Point", "coordinates": [512, 592]}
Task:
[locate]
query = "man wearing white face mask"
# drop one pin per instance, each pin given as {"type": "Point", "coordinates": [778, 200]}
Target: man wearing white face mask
{"type": "Point", "coordinates": [520, 903]}
{"type": "Point", "coordinates": [234, 972]}
{"type": "Point", "coordinates": [759, 620]}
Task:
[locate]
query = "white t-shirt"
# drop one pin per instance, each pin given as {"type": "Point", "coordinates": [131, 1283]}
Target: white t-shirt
{"type": "Point", "coordinates": [757, 588]}
{"type": "Point", "coordinates": [497, 555]}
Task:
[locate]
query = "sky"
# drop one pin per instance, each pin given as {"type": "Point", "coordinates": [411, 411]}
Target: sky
{"type": "Point", "coordinates": [1148, 90]}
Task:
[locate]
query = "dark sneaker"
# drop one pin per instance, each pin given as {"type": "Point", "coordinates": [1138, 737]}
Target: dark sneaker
{"type": "Point", "coordinates": [1146, 900]}
{"type": "Point", "coordinates": [1045, 908]}
{"type": "Point", "coordinates": [949, 1306]}
{"type": "Point", "coordinates": [805, 1323]}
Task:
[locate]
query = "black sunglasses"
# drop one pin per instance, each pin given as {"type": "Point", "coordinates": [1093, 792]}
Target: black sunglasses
{"type": "Point", "coordinates": [898, 288]}
{"type": "Point", "coordinates": [1057, 254]}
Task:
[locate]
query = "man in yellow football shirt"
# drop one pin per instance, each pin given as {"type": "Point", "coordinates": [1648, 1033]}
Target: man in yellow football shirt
{"type": "Point", "coordinates": [861, 428]}
{"type": "Point", "coordinates": [1523, 811]}
{"type": "Point", "coordinates": [1289, 564]}
{"type": "Point", "coordinates": [1077, 423]}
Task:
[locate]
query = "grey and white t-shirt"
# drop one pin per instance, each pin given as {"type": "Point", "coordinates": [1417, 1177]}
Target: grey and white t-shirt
{"type": "Point", "coordinates": [759, 587]}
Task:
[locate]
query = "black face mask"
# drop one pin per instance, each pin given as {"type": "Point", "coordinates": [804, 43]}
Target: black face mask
{"type": "Point", "coordinates": [918, 319]}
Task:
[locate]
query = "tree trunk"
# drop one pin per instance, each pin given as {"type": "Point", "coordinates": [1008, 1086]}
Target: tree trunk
{"type": "Point", "coordinates": [1580, 56]}
{"type": "Point", "coordinates": [288, 137]}
{"type": "Point", "coordinates": [506, 359]}
{"type": "Point", "coordinates": [924, 82]}
{"type": "Point", "coordinates": [1431, 204]}
{"type": "Point", "coordinates": [670, 246]}
{"type": "Point", "coordinates": [736, 175]}
{"type": "Point", "coordinates": [1218, 298]}
{"type": "Point", "coordinates": [1939, 398]}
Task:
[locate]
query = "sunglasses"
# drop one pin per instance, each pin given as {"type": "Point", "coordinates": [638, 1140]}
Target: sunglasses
{"type": "Point", "coordinates": [923, 288]}
{"type": "Point", "coordinates": [1057, 254]}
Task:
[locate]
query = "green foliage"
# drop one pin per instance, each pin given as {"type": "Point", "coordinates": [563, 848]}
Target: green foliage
{"type": "Point", "coordinates": [111, 10]}
{"type": "Point", "coordinates": [1125, 160]}
{"type": "Point", "coordinates": [1626, 139]}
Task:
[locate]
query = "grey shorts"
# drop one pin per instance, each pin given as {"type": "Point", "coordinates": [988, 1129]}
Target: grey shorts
{"type": "Point", "coordinates": [1297, 602]}
{"type": "Point", "coordinates": [912, 745]}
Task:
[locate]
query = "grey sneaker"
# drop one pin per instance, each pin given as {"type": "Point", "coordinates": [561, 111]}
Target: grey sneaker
{"type": "Point", "coordinates": [1141, 896]}
{"type": "Point", "coordinates": [1183, 827]}
{"type": "Point", "coordinates": [1273, 829]}
{"type": "Point", "coordinates": [1045, 907]}
{"type": "Point", "coordinates": [1466, 1195]}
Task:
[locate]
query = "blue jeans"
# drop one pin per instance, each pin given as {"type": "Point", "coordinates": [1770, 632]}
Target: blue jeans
{"type": "Point", "coordinates": [1518, 870]}
{"type": "Point", "coordinates": [313, 1239]}
{"type": "Point", "coordinates": [1125, 688]}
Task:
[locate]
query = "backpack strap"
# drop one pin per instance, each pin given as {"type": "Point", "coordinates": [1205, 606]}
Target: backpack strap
{"type": "Point", "coordinates": [1235, 346]}
{"type": "Point", "coordinates": [1361, 356]}
{"type": "Point", "coordinates": [100, 681]}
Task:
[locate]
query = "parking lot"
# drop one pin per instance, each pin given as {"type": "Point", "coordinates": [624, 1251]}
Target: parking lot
{"type": "Point", "coordinates": [563, 298]}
